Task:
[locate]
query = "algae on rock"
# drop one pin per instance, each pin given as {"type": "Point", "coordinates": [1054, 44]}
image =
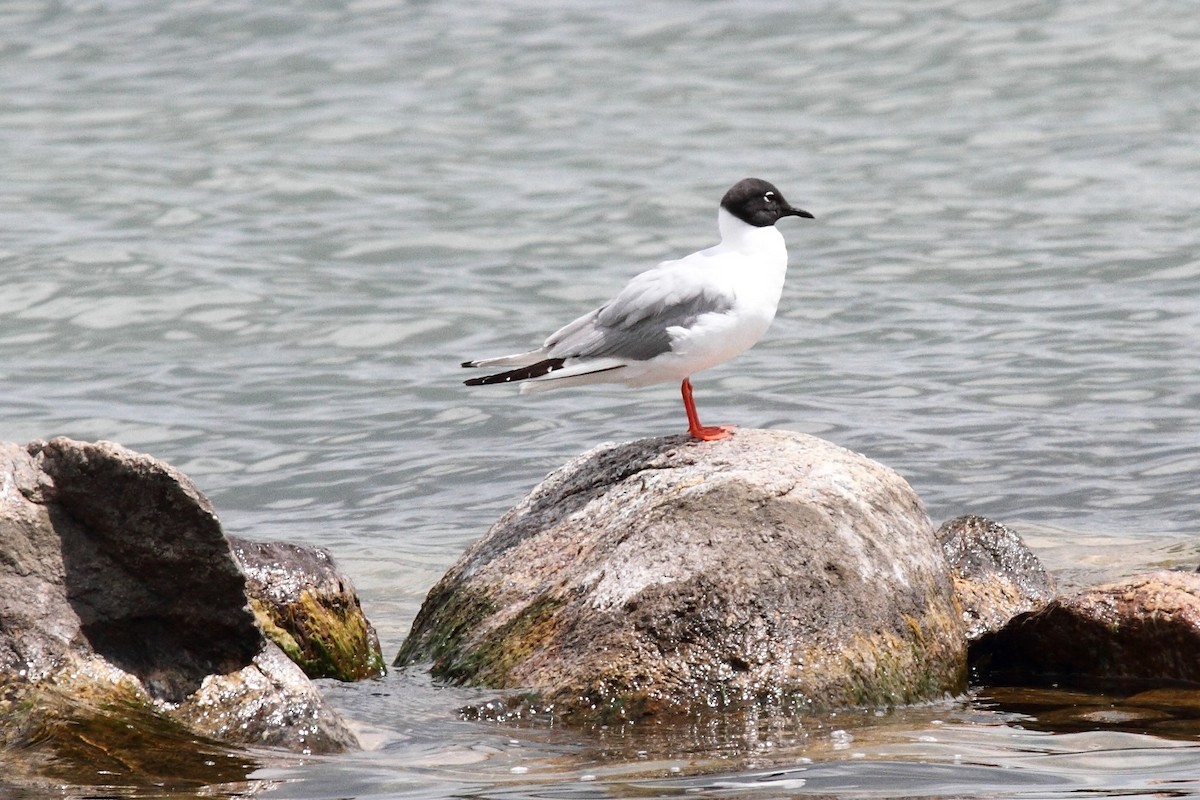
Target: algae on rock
{"type": "Point", "coordinates": [308, 607]}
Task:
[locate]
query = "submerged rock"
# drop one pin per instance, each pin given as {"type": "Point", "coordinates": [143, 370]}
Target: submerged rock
{"type": "Point", "coordinates": [995, 575]}
{"type": "Point", "coordinates": [118, 589]}
{"type": "Point", "coordinates": [669, 576]}
{"type": "Point", "coordinates": [1171, 713]}
{"type": "Point", "coordinates": [1141, 631]}
{"type": "Point", "coordinates": [84, 737]}
{"type": "Point", "coordinates": [308, 607]}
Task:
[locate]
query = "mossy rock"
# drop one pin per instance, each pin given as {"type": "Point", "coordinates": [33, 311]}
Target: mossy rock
{"type": "Point", "coordinates": [324, 641]}
{"type": "Point", "coordinates": [308, 607]}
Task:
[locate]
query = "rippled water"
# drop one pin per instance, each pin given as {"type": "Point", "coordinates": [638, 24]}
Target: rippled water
{"type": "Point", "coordinates": [257, 239]}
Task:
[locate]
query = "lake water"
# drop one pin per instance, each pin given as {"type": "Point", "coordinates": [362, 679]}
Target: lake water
{"type": "Point", "coordinates": [256, 240]}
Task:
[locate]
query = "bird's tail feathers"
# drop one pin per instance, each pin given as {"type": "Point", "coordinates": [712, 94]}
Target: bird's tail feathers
{"type": "Point", "coordinates": [515, 360]}
{"type": "Point", "coordinates": [545, 374]}
{"type": "Point", "coordinates": [519, 374]}
{"type": "Point", "coordinates": [599, 371]}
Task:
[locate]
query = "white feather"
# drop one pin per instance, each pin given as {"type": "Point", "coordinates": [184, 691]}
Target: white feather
{"type": "Point", "coordinates": [723, 299]}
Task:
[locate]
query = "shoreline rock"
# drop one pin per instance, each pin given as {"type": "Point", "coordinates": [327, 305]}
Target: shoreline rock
{"type": "Point", "coordinates": [1141, 631]}
{"type": "Point", "coordinates": [665, 576]}
{"type": "Point", "coordinates": [308, 607]}
{"type": "Point", "coordinates": [996, 577]}
{"type": "Point", "coordinates": [118, 590]}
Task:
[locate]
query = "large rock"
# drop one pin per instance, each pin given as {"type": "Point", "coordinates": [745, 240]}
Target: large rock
{"type": "Point", "coordinates": [996, 577]}
{"type": "Point", "coordinates": [666, 575]}
{"type": "Point", "coordinates": [308, 607]}
{"type": "Point", "coordinates": [118, 590]}
{"type": "Point", "coordinates": [1141, 631]}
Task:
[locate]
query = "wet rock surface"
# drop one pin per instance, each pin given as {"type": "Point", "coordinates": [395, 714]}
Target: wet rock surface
{"type": "Point", "coordinates": [1140, 631]}
{"type": "Point", "coordinates": [118, 589]}
{"type": "Point", "coordinates": [128, 550]}
{"type": "Point", "coordinates": [996, 577]}
{"type": "Point", "coordinates": [85, 737]}
{"type": "Point", "coordinates": [665, 576]}
{"type": "Point", "coordinates": [309, 607]}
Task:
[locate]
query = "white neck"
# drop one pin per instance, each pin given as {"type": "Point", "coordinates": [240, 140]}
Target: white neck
{"type": "Point", "coordinates": [739, 235]}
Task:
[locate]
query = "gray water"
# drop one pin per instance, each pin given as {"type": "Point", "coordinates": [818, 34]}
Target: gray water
{"type": "Point", "coordinates": [256, 239]}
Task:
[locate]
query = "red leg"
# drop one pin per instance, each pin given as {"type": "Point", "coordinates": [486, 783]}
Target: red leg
{"type": "Point", "coordinates": [698, 431]}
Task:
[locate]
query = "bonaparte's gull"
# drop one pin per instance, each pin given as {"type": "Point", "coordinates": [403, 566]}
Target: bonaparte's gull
{"type": "Point", "coordinates": [676, 319]}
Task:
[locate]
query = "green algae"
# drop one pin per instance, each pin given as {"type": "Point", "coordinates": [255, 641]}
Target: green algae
{"type": "Point", "coordinates": [446, 622]}
{"type": "Point", "coordinates": [460, 654]}
{"type": "Point", "coordinates": [325, 641]}
{"type": "Point", "coordinates": [72, 734]}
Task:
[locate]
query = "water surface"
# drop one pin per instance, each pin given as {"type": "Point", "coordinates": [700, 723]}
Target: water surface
{"type": "Point", "coordinates": [256, 241]}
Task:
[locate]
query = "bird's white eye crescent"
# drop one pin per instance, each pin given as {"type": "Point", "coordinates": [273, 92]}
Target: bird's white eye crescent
{"type": "Point", "coordinates": [768, 195]}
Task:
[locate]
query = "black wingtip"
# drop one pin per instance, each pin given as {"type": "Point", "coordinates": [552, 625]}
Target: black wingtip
{"type": "Point", "coordinates": [467, 364]}
{"type": "Point", "coordinates": [523, 373]}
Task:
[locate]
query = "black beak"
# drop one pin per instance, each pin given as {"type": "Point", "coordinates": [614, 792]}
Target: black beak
{"type": "Point", "coordinates": [792, 211]}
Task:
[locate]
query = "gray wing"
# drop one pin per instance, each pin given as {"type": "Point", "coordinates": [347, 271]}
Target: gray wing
{"type": "Point", "coordinates": [634, 324]}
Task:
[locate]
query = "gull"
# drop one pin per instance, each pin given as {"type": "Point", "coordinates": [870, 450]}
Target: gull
{"type": "Point", "coordinates": [674, 320]}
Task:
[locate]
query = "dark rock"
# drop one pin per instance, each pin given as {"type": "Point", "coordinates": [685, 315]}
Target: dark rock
{"type": "Point", "coordinates": [1141, 631]}
{"type": "Point", "coordinates": [308, 607]}
{"type": "Point", "coordinates": [117, 583]}
{"type": "Point", "coordinates": [667, 576]}
{"type": "Point", "coordinates": [145, 566]}
{"type": "Point", "coordinates": [995, 575]}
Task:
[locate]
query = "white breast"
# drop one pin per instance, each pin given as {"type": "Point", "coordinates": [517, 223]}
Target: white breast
{"type": "Point", "coordinates": [750, 265]}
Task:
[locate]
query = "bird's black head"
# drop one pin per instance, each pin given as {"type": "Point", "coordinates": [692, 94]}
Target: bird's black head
{"type": "Point", "coordinates": [758, 203]}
